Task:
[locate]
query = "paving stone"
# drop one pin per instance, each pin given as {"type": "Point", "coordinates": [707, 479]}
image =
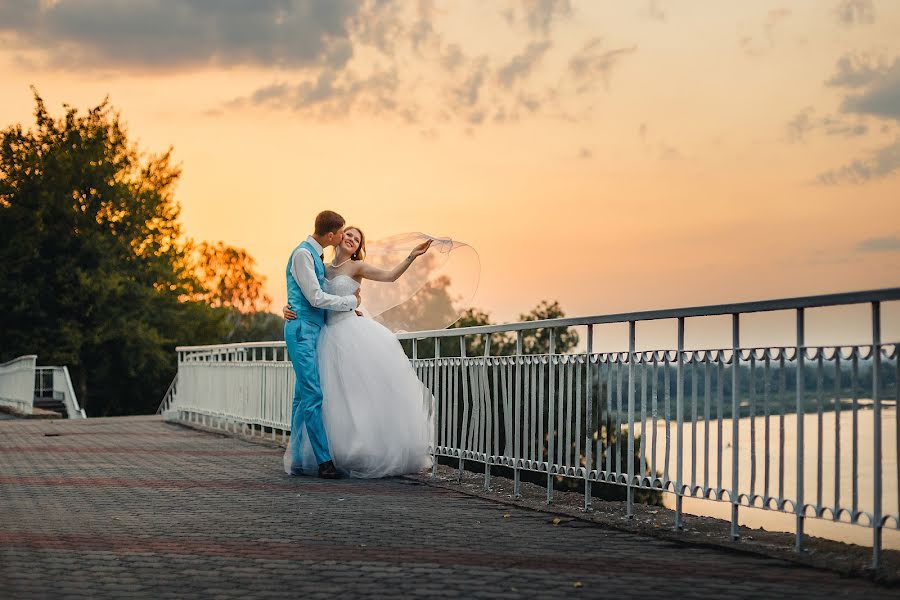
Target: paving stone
{"type": "Point", "coordinates": [136, 508]}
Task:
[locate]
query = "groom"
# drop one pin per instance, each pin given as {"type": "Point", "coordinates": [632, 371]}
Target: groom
{"type": "Point", "coordinates": [305, 273]}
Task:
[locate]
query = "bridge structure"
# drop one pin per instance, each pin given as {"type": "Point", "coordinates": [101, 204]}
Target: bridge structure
{"type": "Point", "coordinates": [146, 507]}
{"type": "Point", "coordinates": [25, 386]}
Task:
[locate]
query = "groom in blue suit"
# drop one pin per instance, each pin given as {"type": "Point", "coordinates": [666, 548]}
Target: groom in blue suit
{"type": "Point", "coordinates": [305, 275]}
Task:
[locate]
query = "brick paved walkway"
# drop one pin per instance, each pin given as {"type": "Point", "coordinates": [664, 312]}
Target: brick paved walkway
{"type": "Point", "coordinates": [133, 507]}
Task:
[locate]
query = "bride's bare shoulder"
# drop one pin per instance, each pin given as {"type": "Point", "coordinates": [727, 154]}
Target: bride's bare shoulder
{"type": "Point", "coordinates": [356, 269]}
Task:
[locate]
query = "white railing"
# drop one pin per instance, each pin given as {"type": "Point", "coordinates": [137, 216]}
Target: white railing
{"type": "Point", "coordinates": [538, 413]}
{"type": "Point", "coordinates": [249, 384]}
{"type": "Point", "coordinates": [57, 382]}
{"type": "Point", "coordinates": [17, 383]}
{"type": "Point", "coordinates": [609, 417]}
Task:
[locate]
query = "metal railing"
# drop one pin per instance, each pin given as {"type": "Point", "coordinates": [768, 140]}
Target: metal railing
{"type": "Point", "coordinates": [576, 415]}
{"type": "Point", "coordinates": [248, 384]}
{"type": "Point", "coordinates": [57, 382]}
{"type": "Point", "coordinates": [796, 429]}
{"type": "Point", "coordinates": [17, 383]}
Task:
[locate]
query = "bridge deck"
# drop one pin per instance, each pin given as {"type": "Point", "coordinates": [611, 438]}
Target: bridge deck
{"type": "Point", "coordinates": [133, 507]}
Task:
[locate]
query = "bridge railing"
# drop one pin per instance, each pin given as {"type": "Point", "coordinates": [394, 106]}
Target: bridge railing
{"type": "Point", "coordinates": [249, 385]}
{"type": "Point", "coordinates": [807, 430]}
{"type": "Point", "coordinates": [797, 429]}
{"type": "Point", "coordinates": [17, 383]}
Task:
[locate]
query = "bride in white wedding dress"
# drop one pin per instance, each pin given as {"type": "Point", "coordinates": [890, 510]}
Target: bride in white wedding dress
{"type": "Point", "coordinates": [377, 413]}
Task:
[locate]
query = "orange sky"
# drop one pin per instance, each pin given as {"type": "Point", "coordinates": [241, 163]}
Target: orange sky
{"type": "Point", "coordinates": [613, 156]}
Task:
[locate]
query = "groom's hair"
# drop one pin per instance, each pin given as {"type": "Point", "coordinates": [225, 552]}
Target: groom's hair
{"type": "Point", "coordinates": [328, 221]}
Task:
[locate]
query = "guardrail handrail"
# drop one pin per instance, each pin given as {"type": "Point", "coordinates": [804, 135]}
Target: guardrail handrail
{"type": "Point", "coordinates": [569, 415]}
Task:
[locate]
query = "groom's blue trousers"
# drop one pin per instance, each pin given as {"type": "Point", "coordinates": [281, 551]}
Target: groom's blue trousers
{"type": "Point", "coordinates": [302, 338]}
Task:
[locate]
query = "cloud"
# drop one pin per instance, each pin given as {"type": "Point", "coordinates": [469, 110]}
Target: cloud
{"type": "Point", "coordinates": [855, 12]}
{"type": "Point", "coordinates": [452, 57]}
{"type": "Point", "coordinates": [382, 26]}
{"type": "Point", "coordinates": [835, 126]}
{"type": "Point", "coordinates": [320, 58]}
{"type": "Point", "coordinates": [592, 64]}
{"type": "Point", "coordinates": [888, 243]}
{"type": "Point", "coordinates": [530, 102]}
{"type": "Point", "coordinates": [179, 34]}
{"type": "Point", "coordinates": [667, 152]}
{"type": "Point", "coordinates": [333, 94]}
{"type": "Point", "coordinates": [857, 70]}
{"type": "Point", "coordinates": [467, 93]}
{"type": "Point", "coordinates": [422, 33]}
{"type": "Point", "coordinates": [756, 47]}
{"type": "Point", "coordinates": [805, 122]}
{"type": "Point", "coordinates": [872, 92]}
{"type": "Point", "coordinates": [521, 65]}
{"type": "Point", "coordinates": [800, 125]}
{"type": "Point", "coordinates": [106, 33]}
{"type": "Point", "coordinates": [874, 81]}
{"type": "Point", "coordinates": [654, 11]}
{"type": "Point", "coordinates": [537, 15]}
{"type": "Point", "coordinates": [881, 97]}
{"type": "Point", "coordinates": [879, 164]}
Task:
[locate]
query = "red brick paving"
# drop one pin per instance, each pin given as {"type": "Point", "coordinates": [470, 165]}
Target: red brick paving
{"type": "Point", "coordinates": [164, 512]}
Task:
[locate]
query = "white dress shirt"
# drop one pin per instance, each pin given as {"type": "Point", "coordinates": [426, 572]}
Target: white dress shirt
{"type": "Point", "coordinates": [304, 272]}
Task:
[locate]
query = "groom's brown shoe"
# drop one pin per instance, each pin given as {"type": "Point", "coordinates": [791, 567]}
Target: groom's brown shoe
{"type": "Point", "coordinates": [327, 470]}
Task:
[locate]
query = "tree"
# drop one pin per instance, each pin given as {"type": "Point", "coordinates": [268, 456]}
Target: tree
{"type": "Point", "coordinates": [537, 341]}
{"type": "Point", "coordinates": [92, 274]}
{"type": "Point", "coordinates": [231, 286]}
{"type": "Point", "coordinates": [228, 277]}
{"type": "Point", "coordinates": [534, 341]}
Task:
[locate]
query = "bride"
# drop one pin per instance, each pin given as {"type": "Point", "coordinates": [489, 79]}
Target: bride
{"type": "Point", "coordinates": [376, 411]}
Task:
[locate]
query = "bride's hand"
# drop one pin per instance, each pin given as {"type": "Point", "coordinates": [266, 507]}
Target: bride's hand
{"type": "Point", "coordinates": [420, 249]}
{"type": "Point", "coordinates": [288, 314]}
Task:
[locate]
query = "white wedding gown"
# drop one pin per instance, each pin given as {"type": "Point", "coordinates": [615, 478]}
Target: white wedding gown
{"type": "Point", "coordinates": [377, 413]}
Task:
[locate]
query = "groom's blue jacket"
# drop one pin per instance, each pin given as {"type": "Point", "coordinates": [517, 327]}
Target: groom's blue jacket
{"type": "Point", "coordinates": [306, 312]}
{"type": "Point", "coordinates": [302, 338]}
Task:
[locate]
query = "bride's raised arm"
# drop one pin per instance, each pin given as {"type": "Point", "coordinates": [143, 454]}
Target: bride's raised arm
{"type": "Point", "coordinates": [375, 274]}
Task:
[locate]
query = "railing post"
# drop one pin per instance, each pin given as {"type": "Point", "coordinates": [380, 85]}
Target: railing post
{"type": "Point", "coordinates": [517, 434]}
{"type": "Point", "coordinates": [437, 404]}
{"type": "Point", "coordinates": [876, 436]}
{"type": "Point", "coordinates": [487, 405]}
{"type": "Point", "coordinates": [679, 429]}
{"type": "Point", "coordinates": [735, 423]}
{"type": "Point", "coordinates": [462, 390]}
{"type": "Point", "coordinates": [551, 405]}
{"type": "Point", "coordinates": [589, 419]}
{"type": "Point", "coordinates": [799, 508]}
{"type": "Point", "coordinates": [629, 504]}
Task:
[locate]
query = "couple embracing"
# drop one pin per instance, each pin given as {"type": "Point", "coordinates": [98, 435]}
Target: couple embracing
{"type": "Point", "coordinates": [358, 409]}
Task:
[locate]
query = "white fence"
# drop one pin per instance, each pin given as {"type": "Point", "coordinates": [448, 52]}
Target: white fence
{"type": "Point", "coordinates": [796, 429]}
{"type": "Point", "coordinates": [17, 383]}
{"type": "Point", "coordinates": [247, 384]}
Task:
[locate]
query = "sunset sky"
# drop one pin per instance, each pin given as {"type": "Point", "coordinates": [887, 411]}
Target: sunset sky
{"type": "Point", "coordinates": [614, 156]}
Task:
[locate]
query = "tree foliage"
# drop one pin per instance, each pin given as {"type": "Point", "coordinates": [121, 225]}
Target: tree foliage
{"type": "Point", "coordinates": [228, 278]}
{"type": "Point", "coordinates": [534, 341]}
{"type": "Point", "coordinates": [93, 272]}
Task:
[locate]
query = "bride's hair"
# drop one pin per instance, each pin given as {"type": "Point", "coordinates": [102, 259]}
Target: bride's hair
{"type": "Point", "coordinates": [360, 253]}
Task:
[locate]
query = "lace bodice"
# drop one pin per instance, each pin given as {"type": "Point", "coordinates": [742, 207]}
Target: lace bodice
{"type": "Point", "coordinates": [340, 285]}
